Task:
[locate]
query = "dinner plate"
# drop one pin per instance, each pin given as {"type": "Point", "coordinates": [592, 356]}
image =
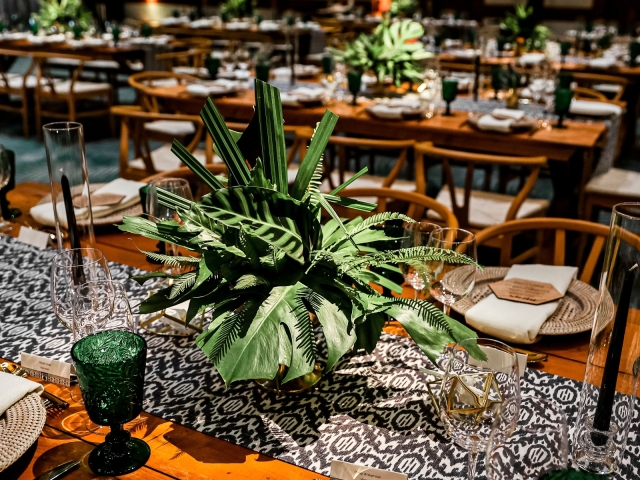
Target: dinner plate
{"type": "Point", "coordinates": [405, 113]}
{"type": "Point", "coordinates": [526, 123]}
{"type": "Point", "coordinates": [574, 314]}
{"type": "Point", "coordinates": [20, 427]}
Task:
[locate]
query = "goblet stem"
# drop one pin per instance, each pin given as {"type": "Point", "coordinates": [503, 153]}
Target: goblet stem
{"type": "Point", "coordinates": [560, 120]}
{"type": "Point", "coordinates": [472, 463]}
{"type": "Point", "coordinates": [446, 308]}
{"type": "Point", "coordinates": [448, 111]}
{"type": "Point", "coordinates": [355, 96]}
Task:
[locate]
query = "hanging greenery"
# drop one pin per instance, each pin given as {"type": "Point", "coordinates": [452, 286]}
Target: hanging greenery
{"type": "Point", "coordinates": [63, 15]}
{"type": "Point", "coordinates": [392, 50]}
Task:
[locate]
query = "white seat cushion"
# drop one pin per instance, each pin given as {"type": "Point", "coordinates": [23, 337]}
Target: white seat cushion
{"type": "Point", "coordinates": [64, 61]}
{"type": "Point", "coordinates": [164, 159]}
{"type": "Point", "coordinates": [607, 87]}
{"type": "Point", "coordinates": [103, 64]}
{"type": "Point", "coordinates": [178, 128]}
{"type": "Point", "coordinates": [17, 81]}
{"type": "Point", "coordinates": [79, 87]}
{"type": "Point", "coordinates": [487, 209]}
{"type": "Point", "coordinates": [616, 182]}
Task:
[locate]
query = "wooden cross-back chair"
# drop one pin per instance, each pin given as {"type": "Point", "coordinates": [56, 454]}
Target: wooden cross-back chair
{"type": "Point", "coordinates": [193, 58]}
{"type": "Point", "coordinates": [503, 236]}
{"type": "Point", "coordinates": [476, 209]}
{"type": "Point", "coordinates": [145, 82]}
{"type": "Point", "coordinates": [65, 96]}
{"type": "Point", "coordinates": [19, 86]}
{"type": "Point", "coordinates": [588, 93]}
{"type": "Point", "coordinates": [412, 204]}
{"type": "Point", "coordinates": [597, 81]}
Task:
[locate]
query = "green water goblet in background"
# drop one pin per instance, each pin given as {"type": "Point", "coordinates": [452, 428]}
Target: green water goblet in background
{"type": "Point", "coordinates": [327, 65]}
{"type": "Point", "coordinates": [497, 80]}
{"type": "Point", "coordinates": [115, 31]}
{"type": "Point", "coordinates": [77, 32]}
{"type": "Point", "coordinates": [449, 92]}
{"type": "Point", "coordinates": [146, 30]}
{"type": "Point", "coordinates": [563, 99]}
{"type": "Point", "coordinates": [262, 72]}
{"type": "Point", "coordinates": [33, 25]}
{"type": "Point", "coordinates": [564, 80]}
{"type": "Point", "coordinates": [212, 64]}
{"type": "Point", "coordinates": [354, 81]}
{"type": "Point", "coordinates": [110, 366]}
{"type": "Point", "coordinates": [501, 42]}
{"type": "Point", "coordinates": [634, 53]}
{"type": "Point", "coordinates": [565, 48]}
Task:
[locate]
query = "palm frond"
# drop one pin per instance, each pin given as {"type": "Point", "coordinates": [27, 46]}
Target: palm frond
{"type": "Point", "coordinates": [428, 311]}
{"type": "Point", "coordinates": [182, 283]}
{"type": "Point", "coordinates": [407, 254]}
{"type": "Point", "coordinates": [172, 261]}
{"type": "Point", "coordinates": [305, 339]}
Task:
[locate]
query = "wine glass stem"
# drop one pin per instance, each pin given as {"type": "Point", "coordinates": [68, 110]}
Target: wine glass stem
{"type": "Point", "coordinates": [446, 308]}
{"type": "Point", "coordinates": [472, 463]}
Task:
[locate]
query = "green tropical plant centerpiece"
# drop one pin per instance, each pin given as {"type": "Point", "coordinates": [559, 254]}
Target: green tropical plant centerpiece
{"type": "Point", "coordinates": [237, 8]}
{"type": "Point", "coordinates": [392, 50]}
{"type": "Point", "coordinates": [266, 263]}
{"type": "Point", "coordinates": [522, 28]}
{"type": "Point", "coordinates": [403, 8]}
{"type": "Point", "coordinates": [63, 14]}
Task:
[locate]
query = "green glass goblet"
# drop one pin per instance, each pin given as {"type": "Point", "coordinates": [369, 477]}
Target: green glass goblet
{"type": "Point", "coordinates": [110, 366]}
{"type": "Point", "coordinates": [563, 102]}
{"type": "Point", "coordinates": [501, 42]}
{"type": "Point", "coordinates": [497, 80]}
{"type": "Point", "coordinates": [327, 65]}
{"type": "Point", "coordinates": [449, 92]}
{"type": "Point", "coordinates": [564, 80]}
{"type": "Point", "coordinates": [565, 48]}
{"type": "Point", "coordinates": [212, 64]}
{"type": "Point", "coordinates": [354, 80]}
{"type": "Point", "coordinates": [262, 72]}
{"type": "Point", "coordinates": [634, 53]}
{"type": "Point", "coordinates": [115, 31]}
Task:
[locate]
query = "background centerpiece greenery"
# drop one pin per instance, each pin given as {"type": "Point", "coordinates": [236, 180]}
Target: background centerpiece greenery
{"type": "Point", "coordinates": [522, 28]}
{"type": "Point", "coordinates": [237, 9]}
{"type": "Point", "coordinates": [63, 15]}
{"type": "Point", "coordinates": [393, 50]}
{"type": "Point", "coordinates": [266, 262]}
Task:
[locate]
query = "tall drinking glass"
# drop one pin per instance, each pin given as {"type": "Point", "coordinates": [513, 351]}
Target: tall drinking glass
{"type": "Point", "coordinates": [475, 392]}
{"type": "Point", "coordinates": [69, 180]}
{"type": "Point", "coordinates": [453, 281]}
{"type": "Point", "coordinates": [539, 444]}
{"type": "Point", "coordinates": [419, 274]}
{"type": "Point", "coordinates": [111, 365]}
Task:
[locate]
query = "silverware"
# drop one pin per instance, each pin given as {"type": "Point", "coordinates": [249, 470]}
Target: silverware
{"type": "Point", "coordinates": [59, 471]}
{"type": "Point", "coordinates": [532, 357]}
{"type": "Point", "coordinates": [50, 400]}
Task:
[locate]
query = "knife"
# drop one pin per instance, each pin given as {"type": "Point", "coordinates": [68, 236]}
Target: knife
{"type": "Point", "coordinates": [59, 471]}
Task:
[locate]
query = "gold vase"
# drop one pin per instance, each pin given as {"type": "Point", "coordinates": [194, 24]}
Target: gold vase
{"type": "Point", "coordinates": [293, 386]}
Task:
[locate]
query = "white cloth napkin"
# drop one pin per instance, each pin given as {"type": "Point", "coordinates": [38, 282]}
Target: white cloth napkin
{"type": "Point", "coordinates": [14, 388]}
{"type": "Point", "coordinates": [587, 107]}
{"type": "Point", "coordinates": [520, 322]}
{"type": "Point", "coordinates": [44, 214]}
{"type": "Point", "coordinates": [508, 112]}
{"type": "Point", "coordinates": [491, 123]}
{"type": "Point", "coordinates": [268, 26]}
{"type": "Point", "coordinates": [603, 62]}
{"type": "Point", "coordinates": [531, 58]}
{"type": "Point", "coordinates": [174, 20]}
{"type": "Point", "coordinates": [387, 112]}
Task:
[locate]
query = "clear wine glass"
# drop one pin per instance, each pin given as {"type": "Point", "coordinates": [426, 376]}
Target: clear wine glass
{"type": "Point", "coordinates": [5, 177]}
{"type": "Point", "coordinates": [539, 444]}
{"type": "Point", "coordinates": [453, 281]}
{"type": "Point", "coordinates": [418, 274]}
{"type": "Point", "coordinates": [475, 392]}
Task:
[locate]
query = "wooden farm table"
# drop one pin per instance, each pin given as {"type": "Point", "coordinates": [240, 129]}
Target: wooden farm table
{"type": "Point", "coordinates": [177, 451]}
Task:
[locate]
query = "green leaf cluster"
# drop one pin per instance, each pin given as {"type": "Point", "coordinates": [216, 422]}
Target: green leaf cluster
{"type": "Point", "coordinates": [63, 14]}
{"type": "Point", "coordinates": [392, 50]}
{"type": "Point", "coordinates": [403, 8]}
{"type": "Point", "coordinates": [522, 23]}
{"type": "Point", "coordinates": [237, 9]}
{"type": "Point", "coordinates": [262, 262]}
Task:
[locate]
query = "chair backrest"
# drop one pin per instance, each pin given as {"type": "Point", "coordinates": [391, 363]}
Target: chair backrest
{"type": "Point", "coordinates": [414, 205]}
{"type": "Point", "coordinates": [194, 57]}
{"type": "Point", "coordinates": [5, 85]}
{"type": "Point", "coordinates": [556, 253]}
{"type": "Point", "coordinates": [589, 93]}
{"type": "Point", "coordinates": [44, 75]}
{"type": "Point", "coordinates": [584, 79]}
{"type": "Point", "coordinates": [132, 128]}
{"type": "Point", "coordinates": [470, 160]}
{"type": "Point", "coordinates": [198, 187]}
{"type": "Point", "coordinates": [146, 82]}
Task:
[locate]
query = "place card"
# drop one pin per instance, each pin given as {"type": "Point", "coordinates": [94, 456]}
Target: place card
{"type": "Point", "coordinates": [350, 471]}
{"type": "Point", "coordinates": [525, 291]}
{"type": "Point", "coordinates": [46, 369]}
{"type": "Point", "coordinates": [34, 237]}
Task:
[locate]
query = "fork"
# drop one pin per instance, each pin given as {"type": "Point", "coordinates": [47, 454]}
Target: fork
{"type": "Point", "coordinates": [49, 399]}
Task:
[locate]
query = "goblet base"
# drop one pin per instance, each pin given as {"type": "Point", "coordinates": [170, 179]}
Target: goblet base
{"type": "Point", "coordinates": [111, 458]}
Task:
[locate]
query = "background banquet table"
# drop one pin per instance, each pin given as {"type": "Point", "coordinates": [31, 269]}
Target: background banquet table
{"type": "Point", "coordinates": [182, 452]}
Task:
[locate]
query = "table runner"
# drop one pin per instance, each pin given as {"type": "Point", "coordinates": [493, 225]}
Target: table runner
{"type": "Point", "coordinates": [372, 410]}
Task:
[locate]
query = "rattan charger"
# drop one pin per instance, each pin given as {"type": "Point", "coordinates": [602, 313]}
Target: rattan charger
{"type": "Point", "coordinates": [20, 427]}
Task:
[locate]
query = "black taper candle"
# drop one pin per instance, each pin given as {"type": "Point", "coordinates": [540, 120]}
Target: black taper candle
{"type": "Point", "coordinates": [476, 80]}
{"type": "Point", "coordinates": [72, 229]}
{"type": "Point", "coordinates": [604, 408]}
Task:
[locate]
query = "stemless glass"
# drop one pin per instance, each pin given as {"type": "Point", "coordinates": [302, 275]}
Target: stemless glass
{"type": "Point", "coordinates": [475, 392]}
{"type": "Point", "coordinates": [110, 365]}
{"type": "Point", "coordinates": [539, 444]}
{"type": "Point", "coordinates": [69, 269]}
{"type": "Point", "coordinates": [449, 92]}
{"type": "Point", "coordinates": [453, 281]}
{"type": "Point", "coordinates": [563, 103]}
{"type": "Point", "coordinates": [419, 274]}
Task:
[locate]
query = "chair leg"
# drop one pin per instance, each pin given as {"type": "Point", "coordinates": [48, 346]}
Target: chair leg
{"type": "Point", "coordinates": [72, 109]}
{"type": "Point", "coordinates": [38, 112]}
{"type": "Point", "coordinates": [25, 117]}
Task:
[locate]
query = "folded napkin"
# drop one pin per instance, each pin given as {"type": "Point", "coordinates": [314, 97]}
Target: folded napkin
{"type": "Point", "coordinates": [268, 26]}
{"type": "Point", "coordinates": [604, 62]}
{"type": "Point", "coordinates": [129, 189]}
{"type": "Point", "coordinates": [531, 58]}
{"type": "Point", "coordinates": [587, 107]}
{"type": "Point", "coordinates": [197, 71]}
{"type": "Point", "coordinates": [238, 25]}
{"type": "Point", "coordinates": [174, 20]}
{"type": "Point", "coordinates": [202, 23]}
{"type": "Point", "coordinates": [310, 93]}
{"type": "Point", "coordinates": [520, 322]}
{"type": "Point", "coordinates": [491, 123]}
{"type": "Point", "coordinates": [508, 112]}
{"type": "Point", "coordinates": [387, 112]}
{"type": "Point", "coordinates": [14, 389]}
{"type": "Point", "coordinates": [197, 90]}
{"type": "Point", "coordinates": [468, 53]}
{"type": "Point", "coordinates": [288, 100]}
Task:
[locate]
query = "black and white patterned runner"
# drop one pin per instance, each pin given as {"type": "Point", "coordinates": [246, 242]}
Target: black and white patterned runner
{"type": "Point", "coordinates": [372, 410]}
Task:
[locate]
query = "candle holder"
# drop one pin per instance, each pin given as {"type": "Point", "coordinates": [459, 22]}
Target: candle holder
{"type": "Point", "coordinates": [69, 181]}
{"type": "Point", "coordinates": [604, 416]}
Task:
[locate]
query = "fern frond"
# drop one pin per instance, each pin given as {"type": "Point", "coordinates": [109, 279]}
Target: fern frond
{"type": "Point", "coordinates": [407, 254]}
{"type": "Point", "coordinates": [182, 283]}
{"type": "Point", "coordinates": [306, 339]}
{"type": "Point", "coordinates": [428, 311]}
{"type": "Point", "coordinates": [231, 328]}
{"type": "Point", "coordinates": [369, 222]}
{"type": "Point", "coordinates": [247, 281]}
{"type": "Point", "coordinates": [171, 260]}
